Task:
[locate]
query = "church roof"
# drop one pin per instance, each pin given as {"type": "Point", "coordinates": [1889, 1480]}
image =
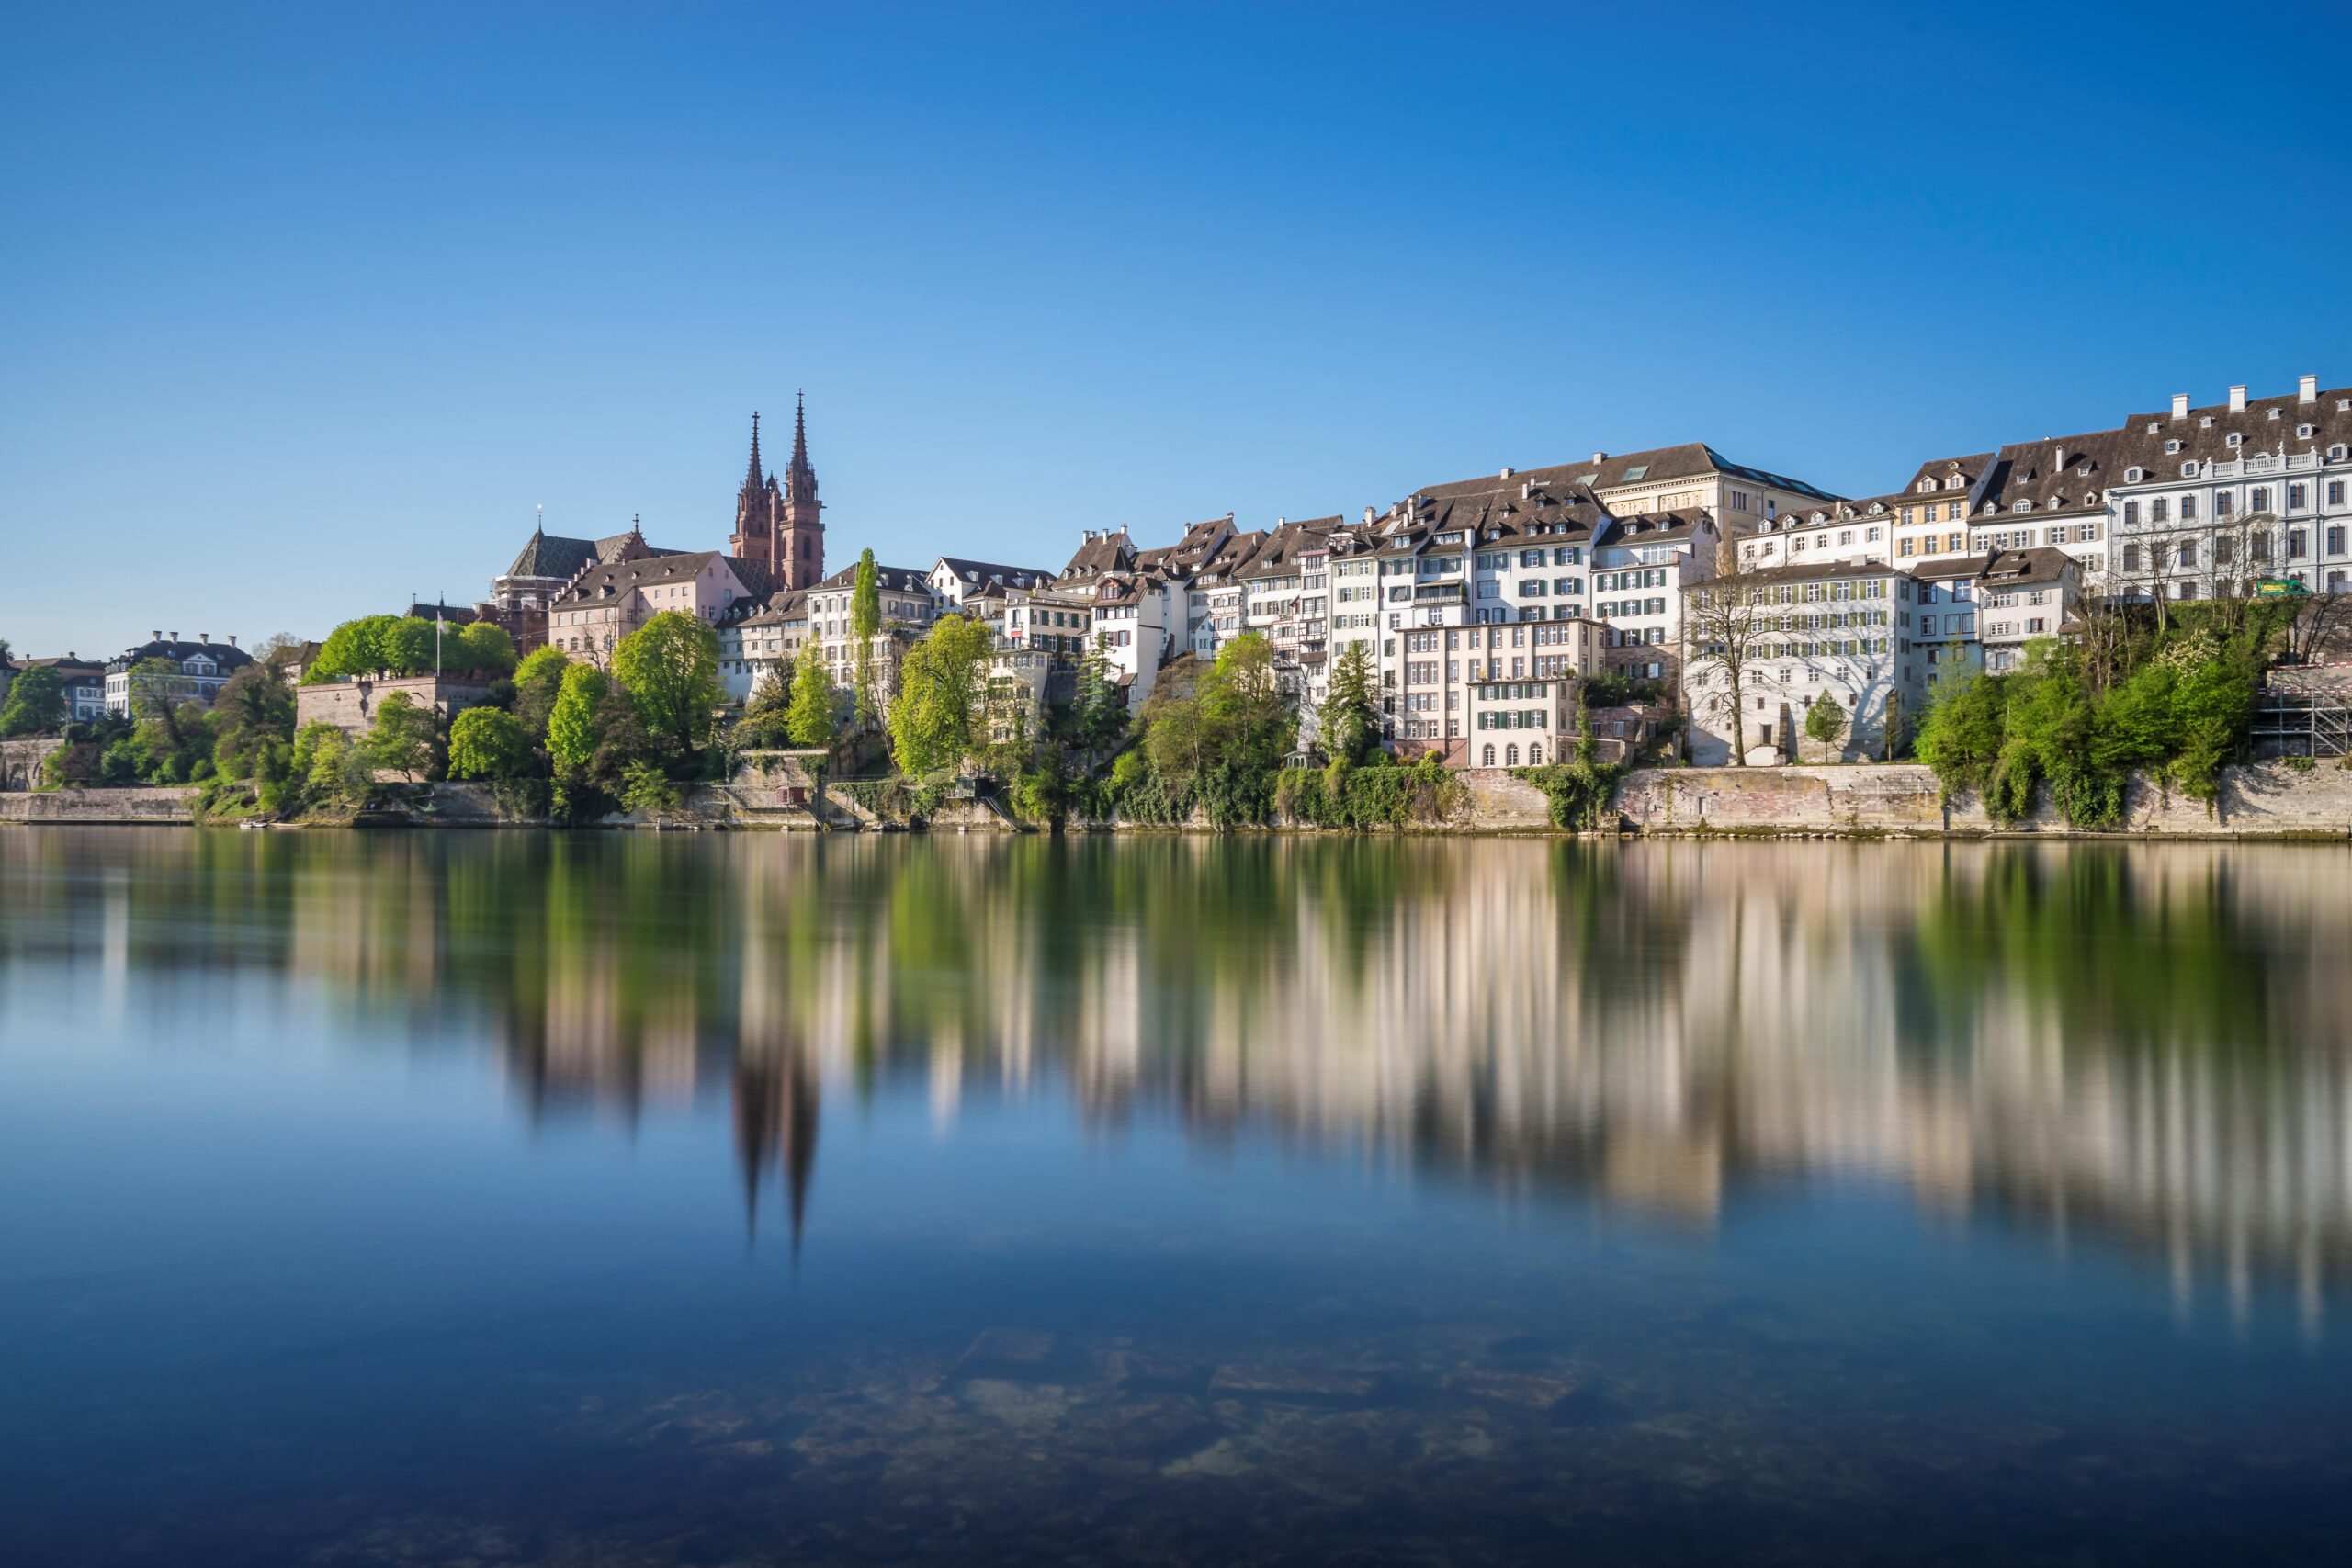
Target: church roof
{"type": "Point", "coordinates": [560, 556]}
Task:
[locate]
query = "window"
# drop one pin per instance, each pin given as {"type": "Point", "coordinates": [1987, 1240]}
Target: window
{"type": "Point", "coordinates": [2298, 497]}
{"type": "Point", "coordinates": [2222, 504]}
{"type": "Point", "coordinates": [2159, 510]}
{"type": "Point", "coordinates": [2258, 498]}
{"type": "Point", "coordinates": [2297, 539]}
{"type": "Point", "coordinates": [2188, 509]}
{"type": "Point", "coordinates": [2130, 558]}
{"type": "Point", "coordinates": [2335, 540]}
{"type": "Point", "coordinates": [2335, 492]}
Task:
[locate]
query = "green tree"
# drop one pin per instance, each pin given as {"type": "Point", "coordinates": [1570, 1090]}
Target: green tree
{"type": "Point", "coordinates": [670, 666]}
{"type": "Point", "coordinates": [645, 788]}
{"type": "Point", "coordinates": [1099, 717]}
{"type": "Point", "coordinates": [253, 725]}
{"type": "Point", "coordinates": [400, 740]}
{"type": "Point", "coordinates": [1825, 722]}
{"type": "Point", "coordinates": [576, 724]}
{"type": "Point", "coordinates": [354, 647]}
{"type": "Point", "coordinates": [1351, 712]}
{"type": "Point", "coordinates": [487, 744]}
{"type": "Point", "coordinates": [35, 704]}
{"type": "Point", "coordinates": [810, 720]}
{"type": "Point", "coordinates": [866, 625]}
{"type": "Point", "coordinates": [933, 719]}
{"type": "Point", "coordinates": [480, 646]}
{"type": "Point", "coordinates": [538, 680]}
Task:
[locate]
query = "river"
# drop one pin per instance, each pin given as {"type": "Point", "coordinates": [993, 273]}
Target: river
{"type": "Point", "coordinates": [522, 1198]}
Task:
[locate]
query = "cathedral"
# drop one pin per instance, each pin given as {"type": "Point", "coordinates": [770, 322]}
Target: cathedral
{"type": "Point", "coordinates": [777, 524]}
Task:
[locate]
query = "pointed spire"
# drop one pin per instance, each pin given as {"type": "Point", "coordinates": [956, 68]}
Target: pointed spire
{"type": "Point", "coordinates": [756, 470]}
{"type": "Point", "coordinates": [800, 479]}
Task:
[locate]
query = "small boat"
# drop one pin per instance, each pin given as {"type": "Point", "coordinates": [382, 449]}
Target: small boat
{"type": "Point", "coordinates": [255, 827]}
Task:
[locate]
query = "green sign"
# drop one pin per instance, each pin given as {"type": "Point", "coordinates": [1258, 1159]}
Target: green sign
{"type": "Point", "coordinates": [2279, 588]}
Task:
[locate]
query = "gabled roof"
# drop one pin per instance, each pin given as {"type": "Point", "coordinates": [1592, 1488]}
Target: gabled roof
{"type": "Point", "coordinates": [1108, 550]}
{"type": "Point", "coordinates": [1655, 528]}
{"type": "Point", "coordinates": [788, 608]}
{"type": "Point", "coordinates": [1659, 465]}
{"type": "Point", "coordinates": [179, 651]}
{"type": "Point", "coordinates": [2071, 474]}
{"type": "Point", "coordinates": [974, 572]}
{"type": "Point", "coordinates": [889, 579]}
{"type": "Point", "coordinates": [1278, 555]}
{"type": "Point", "coordinates": [556, 555]}
{"type": "Point", "coordinates": [650, 571]}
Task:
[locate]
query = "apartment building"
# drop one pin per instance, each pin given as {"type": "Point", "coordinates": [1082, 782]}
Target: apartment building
{"type": "Point", "coordinates": [1827, 626]}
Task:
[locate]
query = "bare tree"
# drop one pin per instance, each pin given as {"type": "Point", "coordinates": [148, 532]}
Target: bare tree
{"type": "Point", "coordinates": [2322, 624]}
{"type": "Point", "coordinates": [1724, 619]}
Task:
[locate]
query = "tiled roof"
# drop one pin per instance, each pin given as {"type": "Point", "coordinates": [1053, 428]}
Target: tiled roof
{"type": "Point", "coordinates": [979, 572]}
{"type": "Point", "coordinates": [652, 571]}
{"type": "Point", "coordinates": [180, 650]}
{"type": "Point", "coordinates": [2071, 474]}
{"type": "Point", "coordinates": [890, 578]}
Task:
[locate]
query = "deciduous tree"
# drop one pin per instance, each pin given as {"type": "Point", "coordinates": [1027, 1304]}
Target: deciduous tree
{"type": "Point", "coordinates": [487, 744]}
{"type": "Point", "coordinates": [809, 718]}
{"type": "Point", "coordinates": [941, 682]}
{"type": "Point", "coordinates": [670, 666]}
{"type": "Point", "coordinates": [400, 739]}
{"type": "Point", "coordinates": [36, 703]}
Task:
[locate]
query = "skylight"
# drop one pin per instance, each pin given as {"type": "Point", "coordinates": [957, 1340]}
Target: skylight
{"type": "Point", "coordinates": [1638, 470]}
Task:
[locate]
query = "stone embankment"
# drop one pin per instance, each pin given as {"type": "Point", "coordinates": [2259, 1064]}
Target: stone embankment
{"type": "Point", "coordinates": [2265, 800]}
{"type": "Point", "coordinates": [103, 807]}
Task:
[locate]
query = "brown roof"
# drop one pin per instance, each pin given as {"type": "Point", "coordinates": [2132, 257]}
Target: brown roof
{"type": "Point", "coordinates": [2072, 473]}
{"type": "Point", "coordinates": [618, 577]}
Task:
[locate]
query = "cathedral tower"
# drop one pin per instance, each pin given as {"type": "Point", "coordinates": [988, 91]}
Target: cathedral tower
{"type": "Point", "coordinates": [777, 524]}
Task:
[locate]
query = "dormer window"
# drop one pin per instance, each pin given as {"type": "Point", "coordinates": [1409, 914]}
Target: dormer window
{"type": "Point", "coordinates": [2133, 476]}
{"type": "Point", "coordinates": [1953, 483]}
{"type": "Point", "coordinates": [2189, 470]}
{"type": "Point", "coordinates": [1926, 485]}
{"type": "Point", "coordinates": [2335, 454]}
{"type": "Point", "coordinates": [2171, 446]}
{"type": "Point", "coordinates": [2305, 432]}
{"type": "Point", "coordinates": [2022, 506]}
{"type": "Point", "coordinates": [2235, 439]}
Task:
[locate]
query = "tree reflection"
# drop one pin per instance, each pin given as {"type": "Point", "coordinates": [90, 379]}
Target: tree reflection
{"type": "Point", "coordinates": [2133, 1042]}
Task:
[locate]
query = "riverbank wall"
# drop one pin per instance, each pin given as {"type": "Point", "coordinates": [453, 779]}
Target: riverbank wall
{"type": "Point", "coordinates": [2262, 800]}
{"type": "Point", "coordinates": [143, 806]}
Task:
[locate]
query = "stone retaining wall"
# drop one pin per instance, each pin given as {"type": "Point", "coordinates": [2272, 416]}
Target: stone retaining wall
{"type": "Point", "coordinates": [21, 760]}
{"type": "Point", "coordinates": [101, 806]}
{"type": "Point", "coordinates": [2264, 800]}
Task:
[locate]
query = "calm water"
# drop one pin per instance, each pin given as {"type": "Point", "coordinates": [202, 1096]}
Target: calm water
{"type": "Point", "coordinates": [523, 1198]}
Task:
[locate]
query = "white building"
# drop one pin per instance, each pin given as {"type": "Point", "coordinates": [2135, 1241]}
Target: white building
{"type": "Point", "coordinates": [1827, 626]}
{"type": "Point", "coordinates": [203, 668]}
{"type": "Point", "coordinates": [756, 641]}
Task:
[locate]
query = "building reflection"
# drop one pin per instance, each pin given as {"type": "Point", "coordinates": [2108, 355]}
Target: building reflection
{"type": "Point", "coordinates": [2133, 1046]}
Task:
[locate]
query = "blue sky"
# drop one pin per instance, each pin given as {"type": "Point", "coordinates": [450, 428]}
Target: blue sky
{"type": "Point", "coordinates": [305, 309]}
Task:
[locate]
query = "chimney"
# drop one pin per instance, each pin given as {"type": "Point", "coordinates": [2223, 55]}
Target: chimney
{"type": "Point", "coordinates": [2237, 400]}
{"type": "Point", "coordinates": [154, 637]}
{"type": "Point", "coordinates": [1507, 473]}
{"type": "Point", "coordinates": [175, 637]}
{"type": "Point", "coordinates": [2058, 460]}
{"type": "Point", "coordinates": [2307, 390]}
{"type": "Point", "coordinates": [204, 636]}
{"type": "Point", "coordinates": [1601, 456]}
{"type": "Point", "coordinates": [1367, 516]}
{"type": "Point", "coordinates": [2180, 405]}
{"type": "Point", "coordinates": [232, 640]}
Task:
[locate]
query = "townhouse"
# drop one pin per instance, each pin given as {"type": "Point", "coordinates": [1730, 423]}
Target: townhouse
{"type": "Point", "coordinates": [607, 600]}
{"type": "Point", "coordinates": [197, 670]}
{"type": "Point", "coordinates": [1824, 627]}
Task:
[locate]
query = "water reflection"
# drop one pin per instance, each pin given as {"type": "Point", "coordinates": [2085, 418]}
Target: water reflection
{"type": "Point", "coordinates": [2108, 1045]}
